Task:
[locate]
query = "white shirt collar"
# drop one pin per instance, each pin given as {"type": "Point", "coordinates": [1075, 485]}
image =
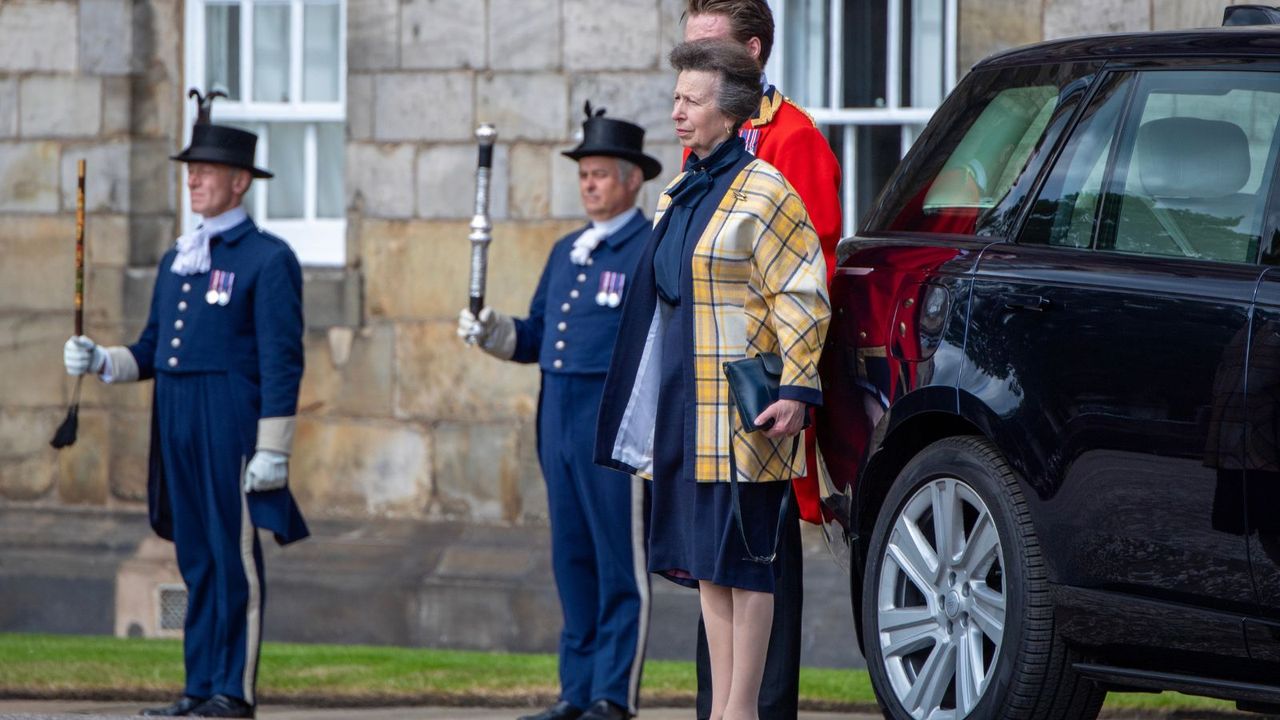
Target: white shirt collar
{"type": "Point", "coordinates": [615, 223]}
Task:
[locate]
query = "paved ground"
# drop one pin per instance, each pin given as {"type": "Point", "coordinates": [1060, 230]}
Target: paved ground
{"type": "Point", "coordinates": [81, 710]}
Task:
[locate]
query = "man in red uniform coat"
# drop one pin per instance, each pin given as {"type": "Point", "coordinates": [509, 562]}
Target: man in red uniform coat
{"type": "Point", "coordinates": [785, 136]}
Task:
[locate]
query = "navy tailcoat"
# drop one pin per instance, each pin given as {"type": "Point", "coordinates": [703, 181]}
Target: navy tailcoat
{"type": "Point", "coordinates": [254, 339]}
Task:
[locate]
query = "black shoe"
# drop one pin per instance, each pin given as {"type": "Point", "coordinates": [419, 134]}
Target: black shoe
{"type": "Point", "coordinates": [605, 710]}
{"type": "Point", "coordinates": [560, 711]}
{"type": "Point", "coordinates": [223, 706]}
{"type": "Point", "coordinates": [183, 706]}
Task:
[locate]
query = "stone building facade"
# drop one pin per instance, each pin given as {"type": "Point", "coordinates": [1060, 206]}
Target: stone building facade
{"type": "Point", "coordinates": [400, 425]}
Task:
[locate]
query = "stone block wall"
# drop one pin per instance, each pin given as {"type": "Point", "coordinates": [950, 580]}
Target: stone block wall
{"type": "Point", "coordinates": [97, 80]}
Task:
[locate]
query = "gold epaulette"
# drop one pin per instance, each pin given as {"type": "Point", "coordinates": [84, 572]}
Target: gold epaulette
{"type": "Point", "coordinates": [769, 107]}
{"type": "Point", "coordinates": [795, 105]}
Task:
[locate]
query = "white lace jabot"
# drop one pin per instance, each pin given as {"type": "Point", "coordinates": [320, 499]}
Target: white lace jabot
{"type": "Point", "coordinates": [193, 247]}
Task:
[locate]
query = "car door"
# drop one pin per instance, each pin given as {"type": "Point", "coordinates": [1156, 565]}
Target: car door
{"type": "Point", "coordinates": [1101, 332]}
{"type": "Point", "coordinates": [1260, 428]}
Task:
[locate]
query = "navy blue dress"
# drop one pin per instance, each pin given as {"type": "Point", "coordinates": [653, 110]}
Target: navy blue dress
{"type": "Point", "coordinates": [692, 533]}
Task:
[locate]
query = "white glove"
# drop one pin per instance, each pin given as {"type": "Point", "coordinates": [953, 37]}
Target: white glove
{"type": "Point", "coordinates": [81, 355]}
{"type": "Point", "coordinates": [494, 332]}
{"type": "Point", "coordinates": [268, 470]}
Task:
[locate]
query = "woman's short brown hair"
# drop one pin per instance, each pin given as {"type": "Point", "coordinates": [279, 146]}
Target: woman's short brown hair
{"type": "Point", "coordinates": [747, 19]}
{"type": "Point", "coordinates": [739, 93]}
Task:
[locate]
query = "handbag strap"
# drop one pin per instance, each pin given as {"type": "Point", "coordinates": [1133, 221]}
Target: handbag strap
{"type": "Point", "coordinates": [737, 506]}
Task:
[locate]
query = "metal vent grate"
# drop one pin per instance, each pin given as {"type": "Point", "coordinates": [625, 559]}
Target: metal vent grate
{"type": "Point", "coordinates": [173, 607]}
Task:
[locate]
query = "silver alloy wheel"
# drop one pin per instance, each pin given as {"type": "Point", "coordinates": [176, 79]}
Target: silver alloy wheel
{"type": "Point", "coordinates": [941, 601]}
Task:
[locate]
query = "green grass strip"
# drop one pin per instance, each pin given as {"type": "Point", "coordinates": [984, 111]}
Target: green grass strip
{"type": "Point", "coordinates": [105, 667]}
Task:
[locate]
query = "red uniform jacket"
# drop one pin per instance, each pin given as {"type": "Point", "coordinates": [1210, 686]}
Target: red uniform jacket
{"type": "Point", "coordinates": [785, 136]}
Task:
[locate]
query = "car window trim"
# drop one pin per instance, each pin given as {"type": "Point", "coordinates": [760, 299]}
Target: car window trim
{"type": "Point", "coordinates": [1271, 208]}
{"type": "Point", "coordinates": [1123, 136]}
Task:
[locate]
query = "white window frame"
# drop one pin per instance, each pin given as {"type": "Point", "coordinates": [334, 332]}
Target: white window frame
{"type": "Point", "coordinates": [316, 241]}
{"type": "Point", "coordinates": [834, 115]}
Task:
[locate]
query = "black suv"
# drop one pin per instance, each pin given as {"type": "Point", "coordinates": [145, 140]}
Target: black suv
{"type": "Point", "coordinates": [1052, 418]}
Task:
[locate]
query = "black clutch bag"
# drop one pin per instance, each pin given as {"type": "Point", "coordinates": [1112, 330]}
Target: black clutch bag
{"type": "Point", "coordinates": [753, 386]}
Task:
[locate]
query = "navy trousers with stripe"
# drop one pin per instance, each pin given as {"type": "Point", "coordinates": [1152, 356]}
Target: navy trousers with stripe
{"type": "Point", "coordinates": [597, 549]}
{"type": "Point", "coordinates": [204, 451]}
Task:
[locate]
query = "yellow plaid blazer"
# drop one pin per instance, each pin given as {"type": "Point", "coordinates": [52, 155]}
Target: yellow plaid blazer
{"type": "Point", "coordinates": [758, 278]}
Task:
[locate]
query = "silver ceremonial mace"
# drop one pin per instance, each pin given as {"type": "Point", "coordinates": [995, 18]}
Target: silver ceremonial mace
{"type": "Point", "coordinates": [481, 228]}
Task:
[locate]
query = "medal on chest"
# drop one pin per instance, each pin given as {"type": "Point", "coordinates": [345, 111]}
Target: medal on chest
{"type": "Point", "coordinates": [610, 292]}
{"type": "Point", "coordinates": [220, 282]}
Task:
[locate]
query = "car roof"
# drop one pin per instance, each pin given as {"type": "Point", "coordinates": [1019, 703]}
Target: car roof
{"type": "Point", "coordinates": [1240, 41]}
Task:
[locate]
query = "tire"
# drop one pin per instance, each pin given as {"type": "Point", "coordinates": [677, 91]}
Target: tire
{"type": "Point", "coordinates": [968, 631]}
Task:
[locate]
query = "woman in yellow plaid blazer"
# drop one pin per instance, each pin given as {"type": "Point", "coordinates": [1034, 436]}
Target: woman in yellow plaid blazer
{"type": "Point", "coordinates": [733, 269]}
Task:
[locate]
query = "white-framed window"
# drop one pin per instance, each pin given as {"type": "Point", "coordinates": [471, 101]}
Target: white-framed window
{"type": "Point", "coordinates": [872, 73]}
{"type": "Point", "coordinates": [283, 65]}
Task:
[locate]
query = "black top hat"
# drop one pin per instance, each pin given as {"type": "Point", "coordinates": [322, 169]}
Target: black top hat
{"type": "Point", "coordinates": [219, 144]}
{"type": "Point", "coordinates": [602, 136]}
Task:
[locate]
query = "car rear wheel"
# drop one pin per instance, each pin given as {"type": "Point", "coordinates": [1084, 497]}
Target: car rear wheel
{"type": "Point", "coordinates": [956, 601]}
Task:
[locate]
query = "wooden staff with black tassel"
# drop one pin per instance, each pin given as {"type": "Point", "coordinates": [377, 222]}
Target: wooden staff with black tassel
{"type": "Point", "coordinates": [66, 433]}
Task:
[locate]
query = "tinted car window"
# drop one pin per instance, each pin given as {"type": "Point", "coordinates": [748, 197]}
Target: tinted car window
{"type": "Point", "coordinates": [967, 174]}
{"type": "Point", "coordinates": [1067, 209]}
{"type": "Point", "coordinates": [1193, 170]}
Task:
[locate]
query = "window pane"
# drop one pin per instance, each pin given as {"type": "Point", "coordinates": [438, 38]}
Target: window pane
{"type": "Point", "coordinates": [1194, 174]}
{"type": "Point", "coordinates": [924, 64]}
{"type": "Point", "coordinates": [286, 150]}
{"type": "Point", "coordinates": [330, 161]}
{"type": "Point", "coordinates": [970, 171]}
{"type": "Point", "coordinates": [222, 49]}
{"type": "Point", "coordinates": [271, 53]}
{"type": "Point", "coordinates": [320, 53]}
{"type": "Point", "coordinates": [877, 154]}
{"type": "Point", "coordinates": [866, 35]}
{"type": "Point", "coordinates": [806, 50]}
{"type": "Point", "coordinates": [1066, 211]}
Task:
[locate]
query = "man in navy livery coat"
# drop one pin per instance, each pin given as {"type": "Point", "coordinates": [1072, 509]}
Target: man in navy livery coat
{"type": "Point", "coordinates": [224, 344]}
{"type": "Point", "coordinates": [597, 515]}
